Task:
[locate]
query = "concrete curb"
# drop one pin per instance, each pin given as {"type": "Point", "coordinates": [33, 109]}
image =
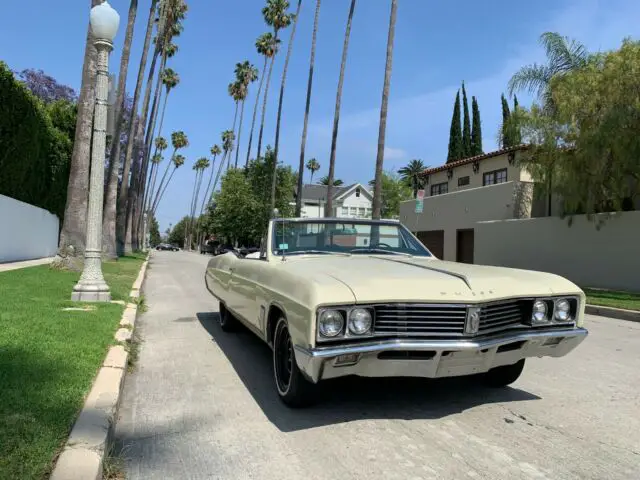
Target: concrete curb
{"type": "Point", "coordinates": [83, 455]}
{"type": "Point", "coordinates": [618, 313]}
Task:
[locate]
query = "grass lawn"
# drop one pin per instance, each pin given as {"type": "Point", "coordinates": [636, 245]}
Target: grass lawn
{"type": "Point", "coordinates": [48, 359]}
{"type": "Point", "coordinates": [613, 298]}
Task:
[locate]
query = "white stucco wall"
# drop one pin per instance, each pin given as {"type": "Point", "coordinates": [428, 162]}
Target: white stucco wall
{"type": "Point", "coordinates": [26, 232]}
{"type": "Point", "coordinates": [608, 257]}
{"type": "Point", "coordinates": [351, 201]}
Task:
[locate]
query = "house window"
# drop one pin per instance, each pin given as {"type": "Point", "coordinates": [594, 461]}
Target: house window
{"type": "Point", "coordinates": [369, 212]}
{"type": "Point", "coordinates": [462, 181]}
{"type": "Point", "coordinates": [358, 192]}
{"type": "Point", "coordinates": [354, 211]}
{"type": "Point", "coordinates": [497, 176]}
{"type": "Point", "coordinates": [439, 188]}
{"type": "Point", "coordinates": [345, 211]}
{"type": "Point", "coordinates": [361, 211]}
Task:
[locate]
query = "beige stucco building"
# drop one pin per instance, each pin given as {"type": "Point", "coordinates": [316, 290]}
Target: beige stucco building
{"type": "Point", "coordinates": [492, 186]}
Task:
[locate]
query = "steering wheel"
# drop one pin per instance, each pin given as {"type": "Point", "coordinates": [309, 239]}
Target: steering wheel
{"type": "Point", "coordinates": [380, 244]}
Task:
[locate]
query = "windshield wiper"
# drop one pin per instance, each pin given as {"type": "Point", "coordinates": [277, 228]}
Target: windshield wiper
{"type": "Point", "coordinates": [379, 250]}
{"type": "Point", "coordinates": [312, 252]}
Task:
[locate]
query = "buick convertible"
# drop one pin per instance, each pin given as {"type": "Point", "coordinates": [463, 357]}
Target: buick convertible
{"type": "Point", "coordinates": [337, 297]}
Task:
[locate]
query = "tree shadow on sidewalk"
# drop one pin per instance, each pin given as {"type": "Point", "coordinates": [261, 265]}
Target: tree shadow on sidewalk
{"type": "Point", "coordinates": [351, 398]}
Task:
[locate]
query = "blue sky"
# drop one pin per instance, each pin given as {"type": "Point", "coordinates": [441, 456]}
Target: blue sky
{"type": "Point", "coordinates": [438, 44]}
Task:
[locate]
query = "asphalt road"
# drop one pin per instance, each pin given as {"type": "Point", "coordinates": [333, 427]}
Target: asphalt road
{"type": "Point", "coordinates": [201, 404]}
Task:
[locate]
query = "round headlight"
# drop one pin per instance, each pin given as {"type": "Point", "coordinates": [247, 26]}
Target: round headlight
{"type": "Point", "coordinates": [563, 310]}
{"type": "Point", "coordinates": [359, 321]}
{"type": "Point", "coordinates": [330, 323]}
{"type": "Point", "coordinates": [539, 311]}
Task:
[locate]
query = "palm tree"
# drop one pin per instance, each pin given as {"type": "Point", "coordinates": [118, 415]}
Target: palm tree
{"type": "Point", "coordinates": [228, 139]}
{"type": "Point", "coordinates": [236, 91]}
{"type": "Point", "coordinates": [306, 113]}
{"type": "Point", "coordinates": [74, 226]}
{"type": "Point", "coordinates": [411, 175]}
{"type": "Point", "coordinates": [377, 188]}
{"type": "Point", "coordinates": [267, 46]}
{"type": "Point", "coordinates": [313, 166]}
{"type": "Point", "coordinates": [178, 161]}
{"type": "Point", "coordinates": [161, 146]}
{"type": "Point", "coordinates": [200, 166]}
{"type": "Point", "coordinates": [274, 175]}
{"type": "Point", "coordinates": [328, 207]}
{"type": "Point", "coordinates": [215, 151]}
{"type": "Point", "coordinates": [131, 134]}
{"type": "Point", "coordinates": [563, 55]}
{"type": "Point", "coordinates": [178, 140]}
{"type": "Point", "coordinates": [246, 74]}
{"type": "Point", "coordinates": [275, 15]}
{"type": "Point", "coordinates": [109, 217]}
{"type": "Point", "coordinates": [336, 182]}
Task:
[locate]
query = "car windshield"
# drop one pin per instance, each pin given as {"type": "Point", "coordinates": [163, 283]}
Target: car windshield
{"type": "Point", "coordinates": [344, 237]}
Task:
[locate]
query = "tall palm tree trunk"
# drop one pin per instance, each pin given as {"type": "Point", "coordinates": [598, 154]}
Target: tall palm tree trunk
{"type": "Point", "coordinates": [164, 176]}
{"type": "Point", "coordinates": [255, 111]}
{"type": "Point", "coordinates": [274, 175]}
{"type": "Point", "coordinates": [206, 192]}
{"type": "Point", "coordinates": [133, 127]}
{"type": "Point", "coordinates": [264, 102]}
{"type": "Point", "coordinates": [311, 180]}
{"type": "Point", "coordinates": [195, 206]}
{"type": "Point", "coordinates": [154, 168]}
{"type": "Point", "coordinates": [215, 183]}
{"type": "Point", "coordinates": [306, 112]}
{"type": "Point", "coordinates": [163, 190]}
{"type": "Point", "coordinates": [377, 187]}
{"type": "Point", "coordinates": [192, 207]}
{"type": "Point", "coordinates": [235, 118]}
{"type": "Point", "coordinates": [74, 225]}
{"type": "Point", "coordinates": [328, 206]}
{"type": "Point", "coordinates": [239, 133]}
{"type": "Point", "coordinates": [109, 219]}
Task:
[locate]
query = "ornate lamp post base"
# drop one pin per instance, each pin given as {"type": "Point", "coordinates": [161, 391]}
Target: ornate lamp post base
{"type": "Point", "coordinates": [91, 293]}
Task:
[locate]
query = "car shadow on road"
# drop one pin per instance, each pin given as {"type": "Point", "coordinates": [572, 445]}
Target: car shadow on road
{"type": "Point", "coordinates": [351, 398]}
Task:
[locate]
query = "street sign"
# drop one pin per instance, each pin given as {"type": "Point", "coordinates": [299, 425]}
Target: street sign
{"type": "Point", "coordinates": [420, 195]}
{"type": "Point", "coordinates": [419, 206]}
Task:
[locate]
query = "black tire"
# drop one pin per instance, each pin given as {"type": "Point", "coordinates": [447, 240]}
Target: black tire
{"type": "Point", "coordinates": [226, 320]}
{"type": "Point", "coordinates": [292, 387]}
{"type": "Point", "coordinates": [503, 376]}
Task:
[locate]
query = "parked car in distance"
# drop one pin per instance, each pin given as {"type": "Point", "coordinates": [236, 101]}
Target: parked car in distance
{"type": "Point", "coordinates": [338, 297]}
{"type": "Point", "coordinates": [167, 246]}
{"type": "Point", "coordinates": [209, 247]}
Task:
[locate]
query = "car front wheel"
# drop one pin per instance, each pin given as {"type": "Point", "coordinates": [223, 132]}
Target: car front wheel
{"type": "Point", "coordinates": [505, 375]}
{"type": "Point", "coordinates": [293, 388]}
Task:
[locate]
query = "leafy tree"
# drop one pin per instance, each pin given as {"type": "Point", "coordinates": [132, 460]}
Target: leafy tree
{"type": "Point", "coordinates": [563, 56]}
{"type": "Point", "coordinates": [45, 87]}
{"type": "Point", "coordinates": [505, 138]}
{"type": "Point", "coordinates": [328, 207]}
{"type": "Point", "coordinates": [394, 191]}
{"type": "Point", "coordinates": [517, 134]}
{"type": "Point", "coordinates": [336, 182]}
{"type": "Point", "coordinates": [587, 151]}
{"type": "Point", "coordinates": [476, 130]}
{"type": "Point", "coordinates": [154, 231]}
{"type": "Point", "coordinates": [411, 175]}
{"type": "Point", "coordinates": [466, 126]}
{"type": "Point", "coordinates": [455, 133]}
{"type": "Point", "coordinates": [176, 235]}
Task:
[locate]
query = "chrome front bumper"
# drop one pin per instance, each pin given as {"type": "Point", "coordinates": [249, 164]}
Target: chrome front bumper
{"type": "Point", "coordinates": [433, 358]}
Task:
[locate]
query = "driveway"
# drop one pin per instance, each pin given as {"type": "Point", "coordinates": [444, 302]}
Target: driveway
{"type": "Point", "coordinates": [201, 405]}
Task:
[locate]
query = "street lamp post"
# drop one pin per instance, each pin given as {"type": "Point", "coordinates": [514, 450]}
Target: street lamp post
{"type": "Point", "coordinates": [91, 287]}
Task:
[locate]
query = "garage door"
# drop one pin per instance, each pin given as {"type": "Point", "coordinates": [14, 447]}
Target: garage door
{"type": "Point", "coordinates": [434, 241]}
{"type": "Point", "coordinates": [464, 246]}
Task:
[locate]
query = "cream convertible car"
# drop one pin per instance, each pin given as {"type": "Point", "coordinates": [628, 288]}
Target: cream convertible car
{"type": "Point", "coordinates": [336, 297]}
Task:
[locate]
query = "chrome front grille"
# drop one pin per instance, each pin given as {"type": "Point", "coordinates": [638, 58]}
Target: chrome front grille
{"type": "Point", "coordinates": [447, 320]}
{"type": "Point", "coordinates": [495, 317]}
{"type": "Point", "coordinates": [419, 320]}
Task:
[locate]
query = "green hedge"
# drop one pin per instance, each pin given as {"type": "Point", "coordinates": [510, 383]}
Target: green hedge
{"type": "Point", "coordinates": [35, 154]}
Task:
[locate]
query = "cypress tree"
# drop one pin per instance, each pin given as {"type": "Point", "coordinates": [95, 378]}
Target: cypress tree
{"type": "Point", "coordinates": [516, 133]}
{"type": "Point", "coordinates": [466, 128]}
{"type": "Point", "coordinates": [455, 134]}
{"type": "Point", "coordinates": [507, 141]}
{"type": "Point", "coordinates": [476, 131]}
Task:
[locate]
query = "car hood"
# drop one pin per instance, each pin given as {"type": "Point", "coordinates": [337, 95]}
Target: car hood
{"type": "Point", "coordinates": [394, 278]}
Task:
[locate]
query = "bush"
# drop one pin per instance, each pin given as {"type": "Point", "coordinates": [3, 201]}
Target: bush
{"type": "Point", "coordinates": [34, 154]}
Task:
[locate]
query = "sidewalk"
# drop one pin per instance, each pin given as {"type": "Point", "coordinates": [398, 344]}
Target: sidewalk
{"type": "Point", "coordinates": [5, 267]}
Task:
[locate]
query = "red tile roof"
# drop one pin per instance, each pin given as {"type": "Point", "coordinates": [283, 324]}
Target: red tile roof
{"type": "Point", "coordinates": [465, 161]}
